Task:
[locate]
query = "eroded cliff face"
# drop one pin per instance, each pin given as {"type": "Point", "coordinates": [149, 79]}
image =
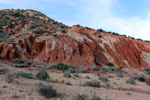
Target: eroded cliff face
{"type": "Point", "coordinates": [79, 47]}
{"type": "Point", "coordinates": [28, 34]}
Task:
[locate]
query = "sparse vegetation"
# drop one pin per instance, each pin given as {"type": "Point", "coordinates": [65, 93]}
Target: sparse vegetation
{"type": "Point", "coordinates": [3, 70]}
{"type": "Point", "coordinates": [76, 75]}
{"type": "Point", "coordinates": [118, 69]}
{"type": "Point", "coordinates": [148, 81]}
{"type": "Point", "coordinates": [94, 68]}
{"type": "Point", "coordinates": [109, 76]}
{"type": "Point", "coordinates": [9, 77]}
{"type": "Point", "coordinates": [87, 77]}
{"type": "Point", "coordinates": [21, 63]}
{"type": "Point", "coordinates": [47, 91]}
{"type": "Point", "coordinates": [67, 74]}
{"type": "Point", "coordinates": [85, 97]}
{"type": "Point", "coordinates": [110, 64]}
{"type": "Point", "coordinates": [131, 81]}
{"type": "Point", "coordinates": [147, 71]}
{"type": "Point", "coordinates": [78, 70]}
{"type": "Point", "coordinates": [80, 97]}
{"type": "Point", "coordinates": [103, 78]}
{"type": "Point", "coordinates": [95, 97]}
{"type": "Point", "coordinates": [141, 79]}
{"type": "Point", "coordinates": [39, 31]}
{"type": "Point", "coordinates": [62, 67]}
{"type": "Point", "coordinates": [100, 36]}
{"type": "Point", "coordinates": [25, 75]}
{"type": "Point", "coordinates": [42, 75]}
{"type": "Point", "coordinates": [92, 84]}
{"type": "Point", "coordinates": [120, 74]}
{"type": "Point", "coordinates": [112, 69]}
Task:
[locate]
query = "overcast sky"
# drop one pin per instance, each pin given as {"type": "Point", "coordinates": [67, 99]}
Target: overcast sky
{"type": "Point", "coordinates": [130, 17]}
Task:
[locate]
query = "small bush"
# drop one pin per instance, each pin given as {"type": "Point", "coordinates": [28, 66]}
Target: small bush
{"type": "Point", "coordinates": [134, 77]}
{"type": "Point", "coordinates": [94, 68]}
{"type": "Point", "coordinates": [21, 65]}
{"type": "Point", "coordinates": [39, 31]}
{"type": "Point", "coordinates": [109, 76]}
{"type": "Point", "coordinates": [9, 78]}
{"type": "Point", "coordinates": [42, 75]}
{"type": "Point", "coordinates": [95, 97]}
{"type": "Point", "coordinates": [47, 91]}
{"type": "Point", "coordinates": [100, 36]}
{"type": "Point", "coordinates": [87, 77]}
{"type": "Point", "coordinates": [1, 58]}
{"type": "Point", "coordinates": [76, 75]}
{"type": "Point", "coordinates": [142, 79]}
{"type": "Point", "coordinates": [131, 81]}
{"type": "Point", "coordinates": [67, 74]}
{"type": "Point", "coordinates": [119, 74]}
{"type": "Point", "coordinates": [118, 69]}
{"type": "Point", "coordinates": [104, 69]}
{"type": "Point", "coordinates": [110, 64]}
{"type": "Point", "coordinates": [62, 66]}
{"type": "Point", "coordinates": [3, 71]}
{"type": "Point", "coordinates": [147, 71]}
{"type": "Point", "coordinates": [104, 79]}
{"type": "Point", "coordinates": [10, 41]}
{"type": "Point", "coordinates": [92, 84]}
{"type": "Point", "coordinates": [18, 61]}
{"type": "Point", "coordinates": [100, 30]}
{"type": "Point", "coordinates": [78, 70]}
{"type": "Point", "coordinates": [80, 97]}
{"type": "Point", "coordinates": [148, 81]}
{"type": "Point", "coordinates": [25, 75]}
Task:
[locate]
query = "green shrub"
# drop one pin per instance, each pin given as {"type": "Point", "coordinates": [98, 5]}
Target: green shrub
{"type": "Point", "coordinates": [118, 69]}
{"type": "Point", "coordinates": [103, 78]}
{"type": "Point", "coordinates": [42, 75]}
{"type": "Point", "coordinates": [80, 97]}
{"type": "Point", "coordinates": [147, 71]}
{"type": "Point", "coordinates": [25, 75]}
{"type": "Point", "coordinates": [78, 70]}
{"type": "Point", "coordinates": [76, 75]}
{"type": "Point", "coordinates": [62, 66]}
{"type": "Point", "coordinates": [110, 64]}
{"type": "Point", "coordinates": [94, 68]}
{"type": "Point", "coordinates": [142, 79]}
{"type": "Point", "coordinates": [94, 97]}
{"type": "Point", "coordinates": [67, 74]}
{"type": "Point", "coordinates": [148, 81]}
{"type": "Point", "coordinates": [100, 36]}
{"type": "Point", "coordinates": [92, 84]}
{"type": "Point", "coordinates": [104, 69]}
{"type": "Point", "coordinates": [9, 78]}
{"type": "Point", "coordinates": [131, 81]}
{"type": "Point", "coordinates": [47, 91]}
{"type": "Point", "coordinates": [39, 31]}
{"type": "Point", "coordinates": [100, 30]}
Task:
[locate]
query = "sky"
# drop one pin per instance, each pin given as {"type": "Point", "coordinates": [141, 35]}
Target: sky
{"type": "Point", "coordinates": [129, 17]}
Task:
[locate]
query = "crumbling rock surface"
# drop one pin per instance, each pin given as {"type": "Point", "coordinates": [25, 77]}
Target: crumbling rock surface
{"type": "Point", "coordinates": [78, 47]}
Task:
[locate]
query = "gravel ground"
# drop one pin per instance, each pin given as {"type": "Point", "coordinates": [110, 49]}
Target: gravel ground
{"type": "Point", "coordinates": [27, 89]}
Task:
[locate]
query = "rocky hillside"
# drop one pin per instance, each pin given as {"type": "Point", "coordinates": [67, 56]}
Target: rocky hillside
{"type": "Point", "coordinates": [28, 34]}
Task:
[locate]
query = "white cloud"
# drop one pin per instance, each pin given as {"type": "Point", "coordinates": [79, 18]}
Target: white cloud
{"type": "Point", "coordinates": [100, 14]}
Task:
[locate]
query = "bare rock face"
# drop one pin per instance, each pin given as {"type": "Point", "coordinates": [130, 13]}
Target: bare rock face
{"type": "Point", "coordinates": [78, 46]}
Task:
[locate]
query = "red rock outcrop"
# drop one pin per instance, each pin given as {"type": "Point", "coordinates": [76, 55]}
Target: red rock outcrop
{"type": "Point", "coordinates": [80, 47]}
{"type": "Point", "coordinates": [76, 46]}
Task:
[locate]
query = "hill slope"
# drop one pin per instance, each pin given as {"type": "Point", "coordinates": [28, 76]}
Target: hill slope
{"type": "Point", "coordinates": [28, 34]}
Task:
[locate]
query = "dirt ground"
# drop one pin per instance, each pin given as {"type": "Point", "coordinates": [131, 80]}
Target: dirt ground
{"type": "Point", "coordinates": [115, 89]}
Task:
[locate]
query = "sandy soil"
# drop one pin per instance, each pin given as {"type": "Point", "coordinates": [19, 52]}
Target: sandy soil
{"type": "Point", "coordinates": [27, 89]}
